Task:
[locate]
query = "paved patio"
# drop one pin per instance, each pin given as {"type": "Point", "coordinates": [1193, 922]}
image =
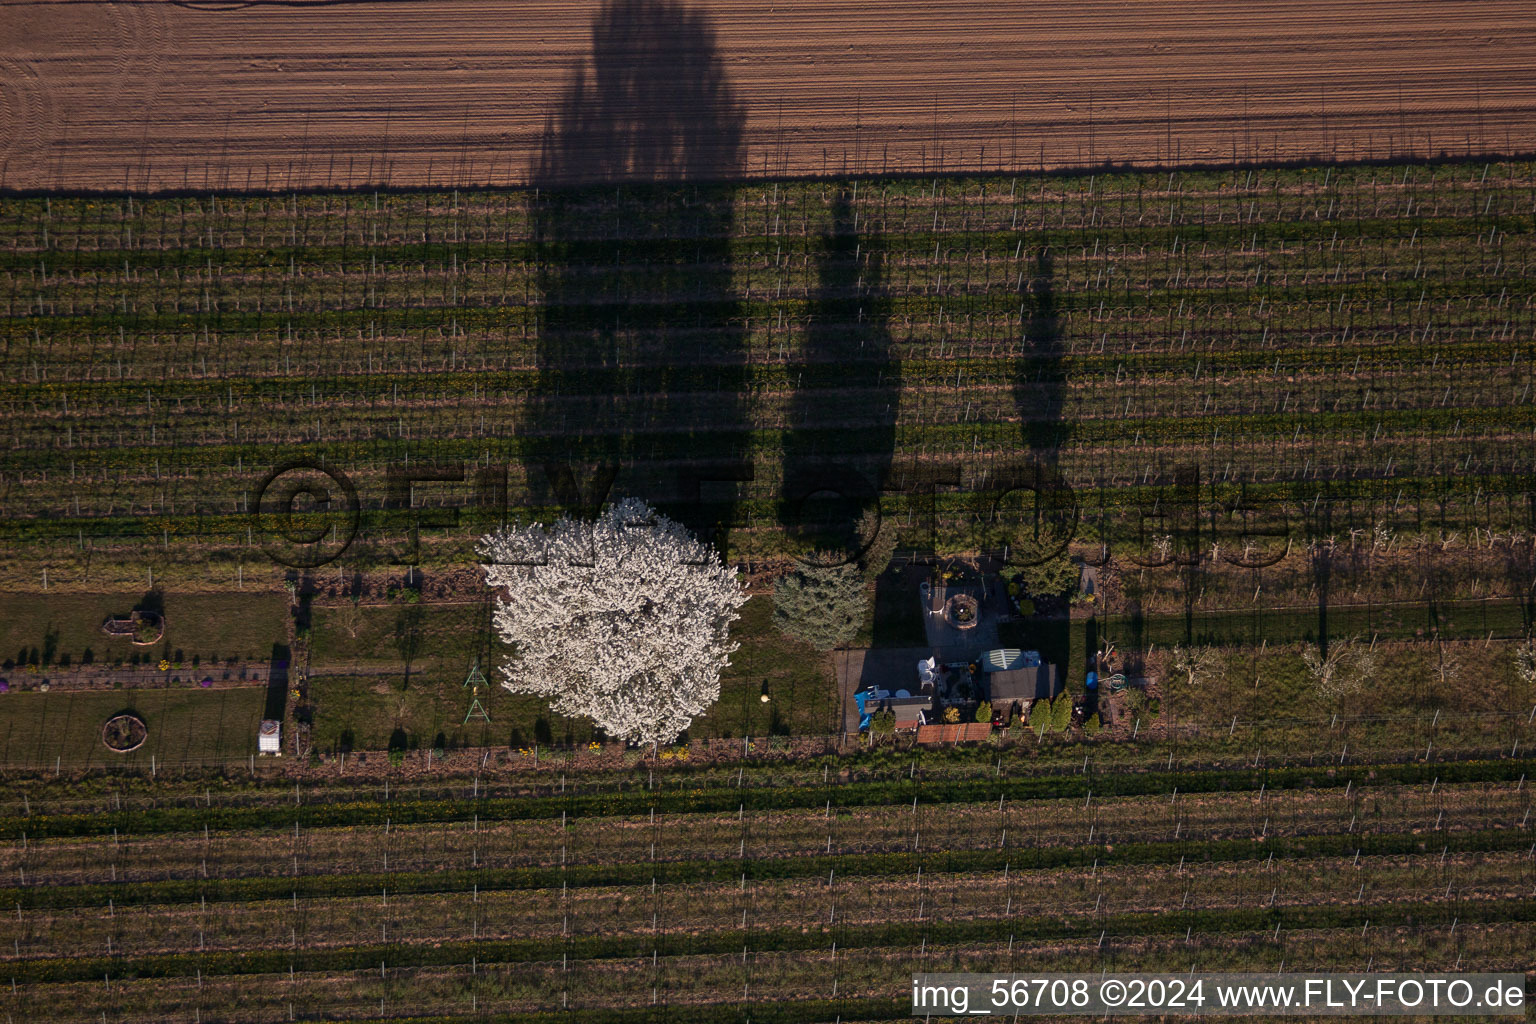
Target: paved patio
{"type": "Point", "coordinates": [951, 644]}
{"type": "Point", "coordinates": [894, 668]}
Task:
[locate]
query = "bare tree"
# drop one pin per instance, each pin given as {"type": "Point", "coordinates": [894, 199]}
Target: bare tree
{"type": "Point", "coordinates": [1343, 669]}
{"type": "Point", "coordinates": [350, 616]}
{"type": "Point", "coordinates": [1449, 662]}
{"type": "Point", "coordinates": [1195, 663]}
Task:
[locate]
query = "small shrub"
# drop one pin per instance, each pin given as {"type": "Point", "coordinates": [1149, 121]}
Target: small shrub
{"type": "Point", "coordinates": [1050, 578]}
{"type": "Point", "coordinates": [984, 711]}
{"type": "Point", "coordinates": [1135, 701]}
{"type": "Point", "coordinates": [1039, 716]}
{"type": "Point", "coordinates": [1092, 725]}
{"type": "Point", "coordinates": [951, 714]}
{"type": "Point", "coordinates": [1061, 712]}
{"type": "Point", "coordinates": [396, 758]}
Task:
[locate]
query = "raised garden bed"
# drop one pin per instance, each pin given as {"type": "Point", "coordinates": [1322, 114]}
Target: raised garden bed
{"type": "Point", "coordinates": [140, 628]}
{"type": "Point", "coordinates": [124, 733]}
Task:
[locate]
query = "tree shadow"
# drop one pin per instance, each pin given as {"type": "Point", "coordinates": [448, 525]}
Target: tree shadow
{"type": "Point", "coordinates": [1188, 552]}
{"type": "Point", "coordinates": [1091, 648]}
{"type": "Point", "coordinates": [640, 341]}
{"type": "Point", "coordinates": [408, 638]}
{"type": "Point", "coordinates": [651, 103]}
{"type": "Point", "coordinates": [1037, 389]}
{"type": "Point", "coordinates": [1321, 563]}
{"type": "Point", "coordinates": [1038, 398]}
{"type": "Point", "coordinates": [1519, 565]}
{"type": "Point", "coordinates": [898, 608]}
{"type": "Point", "coordinates": [153, 602]}
{"type": "Point", "coordinates": [831, 477]}
{"type": "Point", "coordinates": [303, 610]}
{"type": "Point", "coordinates": [277, 682]}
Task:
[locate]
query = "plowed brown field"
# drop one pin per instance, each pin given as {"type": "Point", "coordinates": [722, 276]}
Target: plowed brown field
{"type": "Point", "coordinates": [280, 93]}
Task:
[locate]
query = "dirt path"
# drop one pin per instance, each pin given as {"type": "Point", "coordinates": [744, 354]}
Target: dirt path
{"type": "Point", "coordinates": [202, 95]}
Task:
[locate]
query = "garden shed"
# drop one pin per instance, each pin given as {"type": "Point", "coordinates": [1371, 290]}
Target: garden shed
{"type": "Point", "coordinates": [269, 740]}
{"type": "Point", "coordinates": [1014, 675]}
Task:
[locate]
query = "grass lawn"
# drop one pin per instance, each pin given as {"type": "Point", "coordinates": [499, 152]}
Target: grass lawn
{"type": "Point", "coordinates": [393, 675]}
{"type": "Point", "coordinates": [364, 710]}
{"type": "Point", "coordinates": [800, 684]}
{"type": "Point", "coordinates": [207, 626]}
{"type": "Point", "coordinates": [437, 641]}
{"type": "Point", "coordinates": [375, 712]}
{"type": "Point", "coordinates": [184, 726]}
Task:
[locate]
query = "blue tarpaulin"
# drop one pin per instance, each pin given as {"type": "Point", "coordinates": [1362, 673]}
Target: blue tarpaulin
{"type": "Point", "coordinates": [864, 715]}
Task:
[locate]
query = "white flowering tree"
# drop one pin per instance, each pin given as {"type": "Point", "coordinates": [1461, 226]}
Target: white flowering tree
{"type": "Point", "coordinates": [624, 619]}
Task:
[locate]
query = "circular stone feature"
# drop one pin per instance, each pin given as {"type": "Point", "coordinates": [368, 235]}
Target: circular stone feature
{"type": "Point", "coordinates": [962, 611]}
{"type": "Point", "coordinates": [124, 733]}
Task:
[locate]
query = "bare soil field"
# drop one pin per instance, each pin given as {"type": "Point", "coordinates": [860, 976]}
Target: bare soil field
{"type": "Point", "coordinates": [314, 93]}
